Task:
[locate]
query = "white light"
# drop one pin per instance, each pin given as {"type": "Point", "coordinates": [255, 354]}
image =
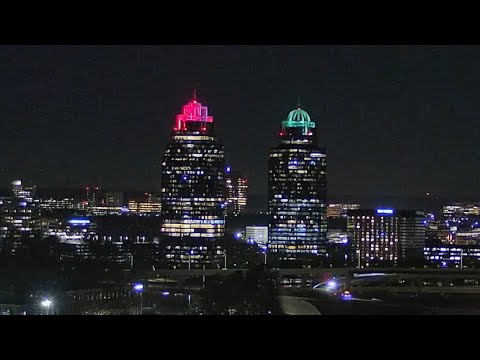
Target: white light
{"type": "Point", "coordinates": [138, 287]}
{"type": "Point", "coordinates": [331, 284]}
{"type": "Point", "coordinates": [46, 303]}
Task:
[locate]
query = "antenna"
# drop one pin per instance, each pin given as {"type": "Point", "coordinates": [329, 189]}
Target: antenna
{"type": "Point", "coordinates": [298, 102]}
{"type": "Point", "coordinates": [195, 94]}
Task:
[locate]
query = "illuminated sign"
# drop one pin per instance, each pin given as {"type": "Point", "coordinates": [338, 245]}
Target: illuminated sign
{"type": "Point", "coordinates": [385, 211]}
{"type": "Point", "coordinates": [79, 221]}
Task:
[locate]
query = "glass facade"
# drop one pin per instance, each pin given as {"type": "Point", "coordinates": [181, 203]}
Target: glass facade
{"type": "Point", "coordinates": [236, 192]}
{"type": "Point", "coordinates": [193, 186]}
{"type": "Point", "coordinates": [297, 191]}
{"type": "Point", "coordinates": [19, 218]}
{"type": "Point", "coordinates": [386, 237]}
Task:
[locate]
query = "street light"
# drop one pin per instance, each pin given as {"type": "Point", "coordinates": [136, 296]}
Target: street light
{"type": "Point", "coordinates": [359, 259]}
{"type": "Point", "coordinates": [190, 253]}
{"type": "Point", "coordinates": [225, 260]}
{"type": "Point", "coordinates": [47, 304]}
{"type": "Point", "coordinates": [139, 289]}
{"type": "Point", "coordinates": [131, 260]}
{"type": "Point", "coordinates": [461, 259]}
{"type": "Point", "coordinates": [265, 255]}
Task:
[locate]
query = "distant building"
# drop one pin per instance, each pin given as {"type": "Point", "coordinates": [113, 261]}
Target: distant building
{"type": "Point", "coordinates": [259, 234]}
{"type": "Point", "coordinates": [461, 210]}
{"type": "Point", "coordinates": [236, 192]}
{"type": "Point", "coordinates": [453, 256]}
{"type": "Point", "coordinates": [462, 216]}
{"type": "Point", "coordinates": [57, 204]}
{"type": "Point", "coordinates": [149, 204]}
{"type": "Point", "coordinates": [386, 236]}
{"type": "Point", "coordinates": [113, 198]}
{"type": "Point", "coordinates": [340, 210]}
{"type": "Point", "coordinates": [19, 218]}
{"type": "Point", "coordinates": [93, 196]}
{"type": "Point", "coordinates": [337, 236]}
{"type": "Point", "coordinates": [297, 191]}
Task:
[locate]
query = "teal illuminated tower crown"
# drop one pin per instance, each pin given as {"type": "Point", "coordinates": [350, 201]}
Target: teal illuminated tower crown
{"type": "Point", "coordinates": [299, 118]}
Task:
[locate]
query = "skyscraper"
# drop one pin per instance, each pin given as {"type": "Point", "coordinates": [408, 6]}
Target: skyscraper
{"type": "Point", "coordinates": [386, 237]}
{"type": "Point", "coordinates": [236, 192]}
{"type": "Point", "coordinates": [193, 188]}
{"type": "Point", "coordinates": [19, 218]}
{"type": "Point", "coordinates": [297, 191]}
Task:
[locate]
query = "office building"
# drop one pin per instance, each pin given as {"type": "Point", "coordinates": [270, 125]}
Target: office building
{"type": "Point", "coordinates": [113, 198]}
{"type": "Point", "coordinates": [19, 218]}
{"type": "Point", "coordinates": [56, 204]}
{"type": "Point", "coordinates": [297, 191]}
{"type": "Point", "coordinates": [340, 210]}
{"type": "Point", "coordinates": [93, 196]}
{"type": "Point", "coordinates": [453, 256]}
{"type": "Point", "coordinates": [148, 204]}
{"type": "Point", "coordinates": [236, 192]}
{"type": "Point", "coordinates": [193, 188]}
{"type": "Point", "coordinates": [386, 237]}
{"type": "Point", "coordinates": [258, 234]}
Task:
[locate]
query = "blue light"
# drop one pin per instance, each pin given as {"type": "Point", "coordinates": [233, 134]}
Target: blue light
{"type": "Point", "coordinates": [184, 177]}
{"type": "Point", "coordinates": [23, 203]}
{"type": "Point", "coordinates": [331, 285]}
{"type": "Point", "coordinates": [384, 211]}
{"type": "Point", "coordinates": [79, 221]}
{"type": "Point", "coordinates": [165, 293]}
{"type": "Point", "coordinates": [138, 287]}
{"type": "Point", "coordinates": [238, 235]}
{"type": "Point", "coordinates": [228, 169]}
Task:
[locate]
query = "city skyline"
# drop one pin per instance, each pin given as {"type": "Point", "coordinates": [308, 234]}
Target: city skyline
{"type": "Point", "coordinates": [79, 115]}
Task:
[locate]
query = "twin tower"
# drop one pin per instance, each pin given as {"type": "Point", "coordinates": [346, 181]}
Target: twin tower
{"type": "Point", "coordinates": [193, 190]}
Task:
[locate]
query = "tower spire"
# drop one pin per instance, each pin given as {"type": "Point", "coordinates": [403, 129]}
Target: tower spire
{"type": "Point", "coordinates": [298, 102]}
{"type": "Point", "coordinates": [195, 94]}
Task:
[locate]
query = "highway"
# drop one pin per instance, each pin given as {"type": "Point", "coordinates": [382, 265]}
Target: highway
{"type": "Point", "coordinates": [292, 305]}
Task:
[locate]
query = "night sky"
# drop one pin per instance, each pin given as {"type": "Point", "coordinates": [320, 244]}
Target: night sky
{"type": "Point", "coordinates": [397, 120]}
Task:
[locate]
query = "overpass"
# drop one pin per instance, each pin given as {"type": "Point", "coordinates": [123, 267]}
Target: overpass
{"type": "Point", "coordinates": [182, 273]}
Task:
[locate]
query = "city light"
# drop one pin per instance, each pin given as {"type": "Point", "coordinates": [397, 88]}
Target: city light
{"type": "Point", "coordinates": [332, 285]}
{"type": "Point", "coordinates": [238, 235]}
{"type": "Point", "coordinates": [384, 211]}
{"type": "Point", "coordinates": [46, 303]}
{"type": "Point", "coordinates": [138, 287]}
{"type": "Point", "coordinates": [79, 221]}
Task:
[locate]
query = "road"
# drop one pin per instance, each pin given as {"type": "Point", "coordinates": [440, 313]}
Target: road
{"type": "Point", "coordinates": [292, 305]}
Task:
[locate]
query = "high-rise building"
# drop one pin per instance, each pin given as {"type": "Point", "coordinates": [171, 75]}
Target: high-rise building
{"type": "Point", "coordinates": [193, 184]}
{"type": "Point", "coordinates": [386, 237]}
{"type": "Point", "coordinates": [297, 190]}
{"type": "Point", "coordinates": [236, 192]}
{"type": "Point", "coordinates": [19, 218]}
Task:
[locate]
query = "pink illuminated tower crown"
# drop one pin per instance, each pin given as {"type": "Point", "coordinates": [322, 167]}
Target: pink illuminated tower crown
{"type": "Point", "coordinates": [193, 111]}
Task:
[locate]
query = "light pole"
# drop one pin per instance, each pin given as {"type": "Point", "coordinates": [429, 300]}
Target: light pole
{"type": "Point", "coordinates": [265, 263]}
{"type": "Point", "coordinates": [139, 289]}
{"type": "Point", "coordinates": [461, 259]}
{"type": "Point", "coordinates": [359, 259]}
{"type": "Point", "coordinates": [225, 260]}
{"type": "Point", "coordinates": [131, 260]}
{"type": "Point", "coordinates": [47, 304]}
{"type": "Point", "coordinates": [190, 253]}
